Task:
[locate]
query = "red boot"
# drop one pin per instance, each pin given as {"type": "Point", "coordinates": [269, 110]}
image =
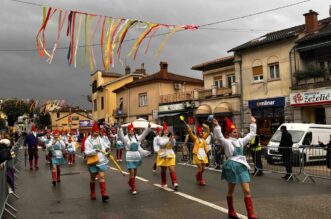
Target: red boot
{"type": "Point", "coordinates": [249, 208]}
{"type": "Point", "coordinates": [231, 213]}
{"type": "Point", "coordinates": [53, 178]}
{"type": "Point", "coordinates": [133, 189]}
{"type": "Point", "coordinates": [197, 177]}
{"type": "Point", "coordinates": [202, 181]}
{"type": "Point", "coordinates": [36, 164]}
{"type": "Point", "coordinates": [103, 191]}
{"type": "Point", "coordinates": [164, 179]}
{"type": "Point", "coordinates": [174, 180]}
{"type": "Point", "coordinates": [120, 154]}
{"type": "Point", "coordinates": [30, 164]}
{"type": "Point", "coordinates": [58, 175]}
{"type": "Point", "coordinates": [92, 189]}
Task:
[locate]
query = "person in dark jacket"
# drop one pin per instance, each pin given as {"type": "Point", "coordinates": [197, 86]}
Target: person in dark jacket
{"type": "Point", "coordinates": [327, 147]}
{"type": "Point", "coordinates": [285, 148]}
{"type": "Point", "coordinates": [31, 140]}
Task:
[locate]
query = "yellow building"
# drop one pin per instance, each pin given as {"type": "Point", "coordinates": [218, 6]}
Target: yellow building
{"type": "Point", "coordinates": [69, 118]}
{"type": "Point", "coordinates": [265, 67]}
{"type": "Point", "coordinates": [220, 95]}
{"type": "Point", "coordinates": [103, 98]}
{"type": "Point", "coordinates": [158, 97]}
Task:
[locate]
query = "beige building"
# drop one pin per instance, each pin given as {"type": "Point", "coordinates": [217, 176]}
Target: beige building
{"type": "Point", "coordinates": [220, 95]}
{"type": "Point", "coordinates": [103, 99]}
{"type": "Point", "coordinates": [69, 118]}
{"type": "Point", "coordinates": [159, 97]}
{"type": "Point", "coordinates": [265, 68]}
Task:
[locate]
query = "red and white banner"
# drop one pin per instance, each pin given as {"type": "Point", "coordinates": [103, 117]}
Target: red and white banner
{"type": "Point", "coordinates": [310, 98]}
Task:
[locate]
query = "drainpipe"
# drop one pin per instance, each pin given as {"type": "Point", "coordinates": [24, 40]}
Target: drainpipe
{"type": "Point", "coordinates": [241, 94]}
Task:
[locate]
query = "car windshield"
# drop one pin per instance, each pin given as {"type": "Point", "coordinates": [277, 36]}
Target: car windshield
{"type": "Point", "coordinates": [296, 136]}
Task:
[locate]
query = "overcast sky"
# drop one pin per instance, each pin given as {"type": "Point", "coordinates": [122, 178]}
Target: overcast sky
{"type": "Point", "coordinates": [25, 75]}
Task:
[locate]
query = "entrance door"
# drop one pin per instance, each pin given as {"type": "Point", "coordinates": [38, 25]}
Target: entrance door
{"type": "Point", "coordinates": [320, 116]}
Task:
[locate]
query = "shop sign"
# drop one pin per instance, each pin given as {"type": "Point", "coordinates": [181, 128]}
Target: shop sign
{"type": "Point", "coordinates": [310, 98]}
{"type": "Point", "coordinates": [172, 107]}
{"type": "Point", "coordinates": [264, 103]}
{"type": "Point", "coordinates": [85, 123]}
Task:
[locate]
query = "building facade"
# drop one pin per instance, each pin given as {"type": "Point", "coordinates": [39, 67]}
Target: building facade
{"type": "Point", "coordinates": [103, 99]}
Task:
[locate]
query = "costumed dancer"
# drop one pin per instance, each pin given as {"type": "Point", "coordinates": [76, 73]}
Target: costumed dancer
{"type": "Point", "coordinates": [200, 150]}
{"type": "Point", "coordinates": [236, 169]}
{"type": "Point", "coordinates": [156, 147]}
{"type": "Point", "coordinates": [166, 157]}
{"type": "Point", "coordinates": [56, 147]}
{"type": "Point", "coordinates": [95, 149]}
{"type": "Point", "coordinates": [119, 145]}
{"type": "Point", "coordinates": [31, 140]}
{"type": "Point", "coordinates": [71, 149]}
{"type": "Point", "coordinates": [104, 137]}
{"type": "Point", "coordinates": [133, 152]}
{"type": "Point", "coordinates": [46, 140]}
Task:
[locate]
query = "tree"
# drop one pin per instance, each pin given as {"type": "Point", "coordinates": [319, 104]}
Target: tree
{"type": "Point", "coordinates": [43, 120]}
{"type": "Point", "coordinates": [13, 109]}
{"type": "Point", "coordinates": [2, 124]}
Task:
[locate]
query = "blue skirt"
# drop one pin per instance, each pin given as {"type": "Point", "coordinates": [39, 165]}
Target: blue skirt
{"type": "Point", "coordinates": [234, 172]}
{"type": "Point", "coordinates": [58, 161]}
{"type": "Point", "coordinates": [97, 168]}
{"type": "Point", "coordinates": [133, 164]}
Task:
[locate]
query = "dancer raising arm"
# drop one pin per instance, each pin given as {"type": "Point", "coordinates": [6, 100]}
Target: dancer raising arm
{"type": "Point", "coordinates": [235, 169]}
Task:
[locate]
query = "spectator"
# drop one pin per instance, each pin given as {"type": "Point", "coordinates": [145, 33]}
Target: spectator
{"type": "Point", "coordinates": [256, 151]}
{"type": "Point", "coordinates": [285, 148]}
{"type": "Point", "coordinates": [327, 147]}
{"type": "Point", "coordinates": [185, 150]}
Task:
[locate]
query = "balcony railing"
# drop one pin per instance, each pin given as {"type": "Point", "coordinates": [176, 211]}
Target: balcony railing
{"type": "Point", "coordinates": [176, 97]}
{"type": "Point", "coordinates": [119, 113]}
{"type": "Point", "coordinates": [217, 92]}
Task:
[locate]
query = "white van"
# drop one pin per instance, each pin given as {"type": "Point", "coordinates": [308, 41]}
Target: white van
{"type": "Point", "coordinates": [302, 135]}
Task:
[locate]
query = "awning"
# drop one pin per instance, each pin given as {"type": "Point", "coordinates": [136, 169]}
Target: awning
{"type": "Point", "coordinates": [313, 46]}
{"type": "Point", "coordinates": [168, 114]}
{"type": "Point", "coordinates": [203, 110]}
{"type": "Point", "coordinates": [223, 108]}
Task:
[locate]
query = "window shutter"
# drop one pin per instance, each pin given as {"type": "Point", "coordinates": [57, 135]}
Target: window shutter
{"type": "Point", "coordinates": [258, 70]}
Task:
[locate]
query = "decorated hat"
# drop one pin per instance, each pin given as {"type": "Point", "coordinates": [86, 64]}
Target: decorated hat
{"type": "Point", "coordinates": [158, 129]}
{"type": "Point", "coordinates": [33, 128]}
{"type": "Point", "coordinates": [165, 127]}
{"type": "Point", "coordinates": [95, 127]}
{"type": "Point", "coordinates": [70, 138]}
{"type": "Point", "coordinates": [103, 131]}
{"type": "Point", "coordinates": [199, 129]}
{"type": "Point", "coordinates": [131, 127]}
{"type": "Point", "coordinates": [229, 126]}
{"type": "Point", "coordinates": [56, 132]}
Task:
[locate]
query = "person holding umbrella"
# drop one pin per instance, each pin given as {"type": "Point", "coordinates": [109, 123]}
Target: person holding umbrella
{"type": "Point", "coordinates": [236, 169]}
{"type": "Point", "coordinates": [133, 151]}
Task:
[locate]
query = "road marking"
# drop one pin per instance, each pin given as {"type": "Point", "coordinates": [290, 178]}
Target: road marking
{"type": "Point", "coordinates": [113, 168]}
{"type": "Point", "coordinates": [203, 202]}
{"type": "Point", "coordinates": [207, 168]}
{"type": "Point", "coordinates": [142, 179]}
{"type": "Point", "coordinates": [165, 188]}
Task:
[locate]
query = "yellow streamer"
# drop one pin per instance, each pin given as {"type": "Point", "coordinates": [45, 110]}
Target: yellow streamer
{"type": "Point", "coordinates": [77, 39]}
{"type": "Point", "coordinates": [177, 28]}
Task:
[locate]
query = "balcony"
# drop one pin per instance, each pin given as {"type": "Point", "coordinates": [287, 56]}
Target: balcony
{"type": "Point", "coordinates": [311, 78]}
{"type": "Point", "coordinates": [176, 97]}
{"type": "Point", "coordinates": [120, 113]}
{"type": "Point", "coordinates": [216, 92]}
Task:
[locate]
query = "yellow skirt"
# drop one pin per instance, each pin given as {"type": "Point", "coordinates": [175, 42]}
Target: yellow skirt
{"type": "Point", "coordinates": [197, 161]}
{"type": "Point", "coordinates": [165, 162]}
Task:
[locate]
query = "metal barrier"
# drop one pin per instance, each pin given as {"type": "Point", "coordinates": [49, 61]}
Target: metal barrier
{"type": "Point", "coordinates": [8, 170]}
{"type": "Point", "coordinates": [279, 160]}
{"type": "Point", "coordinates": [316, 162]}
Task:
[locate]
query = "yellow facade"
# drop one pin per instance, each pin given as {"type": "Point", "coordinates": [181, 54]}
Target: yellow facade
{"type": "Point", "coordinates": [60, 120]}
{"type": "Point", "coordinates": [106, 85]}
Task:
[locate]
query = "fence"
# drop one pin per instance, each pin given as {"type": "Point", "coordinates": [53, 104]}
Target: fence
{"type": "Point", "coordinates": [7, 176]}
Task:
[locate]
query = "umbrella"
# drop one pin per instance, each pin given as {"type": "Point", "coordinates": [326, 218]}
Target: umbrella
{"type": "Point", "coordinates": [142, 123]}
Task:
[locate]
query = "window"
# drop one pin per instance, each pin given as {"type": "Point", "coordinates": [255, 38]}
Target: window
{"type": "Point", "coordinates": [274, 70]}
{"type": "Point", "coordinates": [102, 103]}
{"type": "Point", "coordinates": [218, 82]}
{"type": "Point", "coordinates": [94, 86]}
{"type": "Point", "coordinates": [58, 115]}
{"type": "Point", "coordinates": [231, 79]}
{"type": "Point", "coordinates": [143, 99]}
{"type": "Point", "coordinates": [258, 73]}
{"type": "Point", "coordinates": [95, 105]}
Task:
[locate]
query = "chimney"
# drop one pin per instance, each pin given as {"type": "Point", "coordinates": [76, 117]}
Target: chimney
{"type": "Point", "coordinates": [311, 21]}
{"type": "Point", "coordinates": [127, 70]}
{"type": "Point", "coordinates": [164, 69]}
